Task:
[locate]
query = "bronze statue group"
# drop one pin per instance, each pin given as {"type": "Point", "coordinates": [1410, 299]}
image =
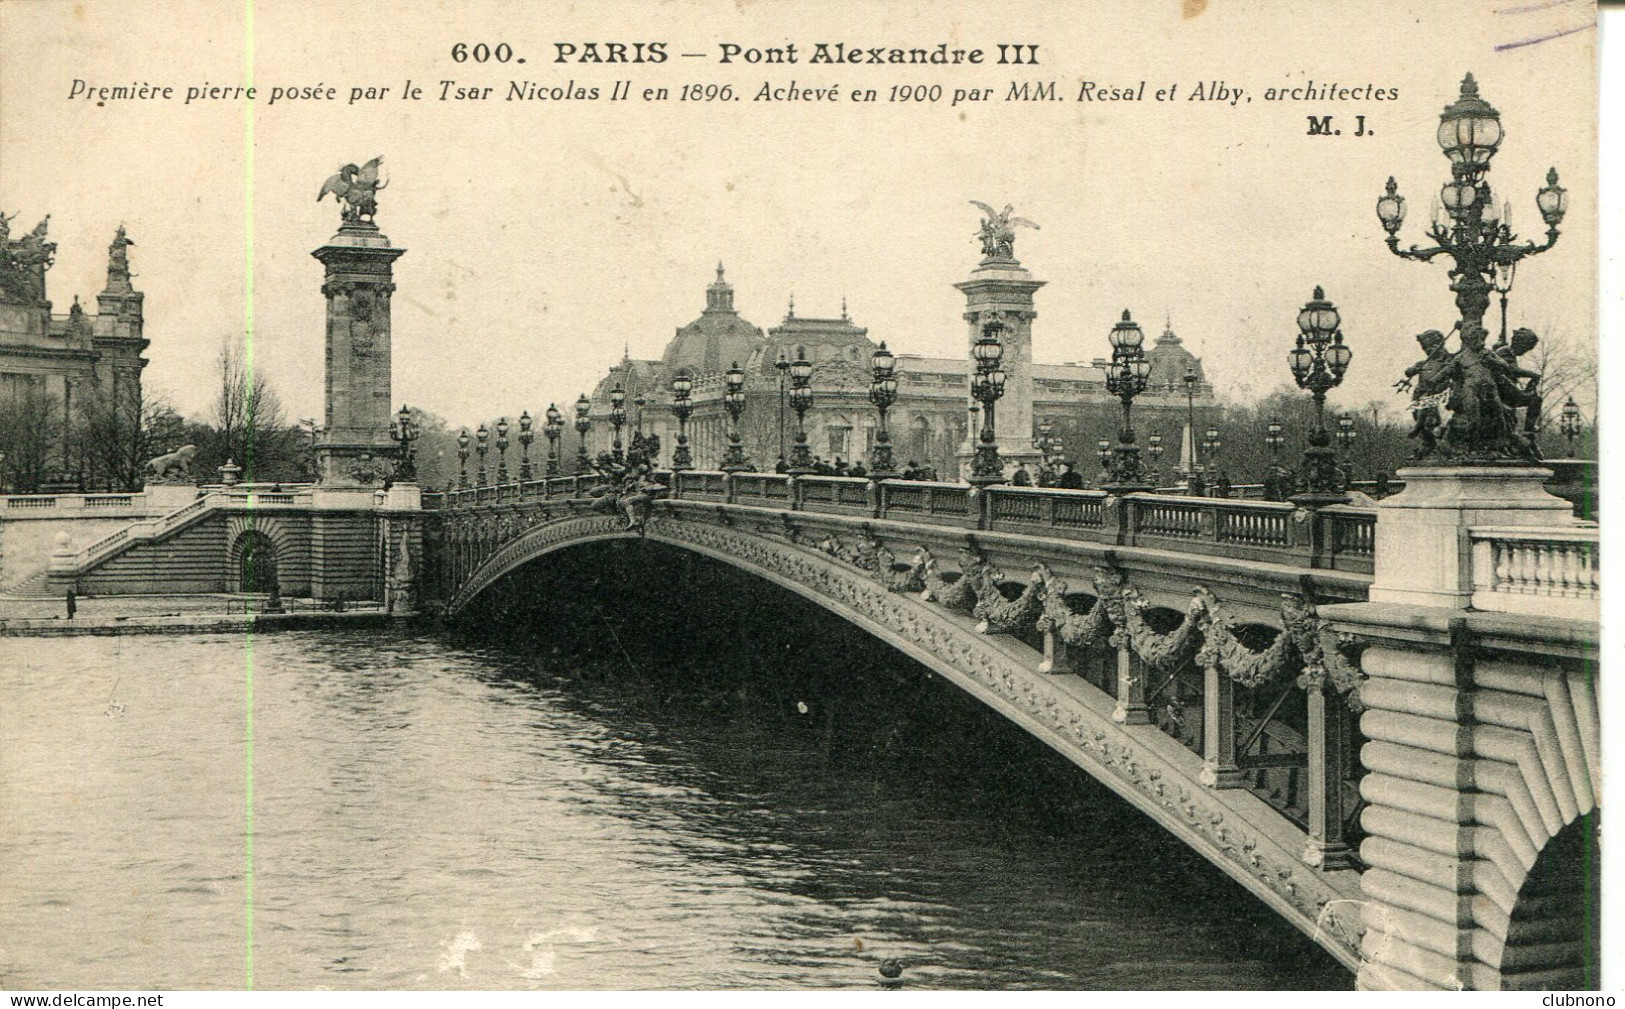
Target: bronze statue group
{"type": "Point", "coordinates": [1465, 403]}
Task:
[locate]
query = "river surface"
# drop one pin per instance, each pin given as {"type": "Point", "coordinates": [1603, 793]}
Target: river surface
{"type": "Point", "coordinates": [431, 812]}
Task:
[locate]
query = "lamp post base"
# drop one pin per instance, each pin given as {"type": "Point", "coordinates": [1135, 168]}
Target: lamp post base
{"type": "Point", "coordinates": [1322, 481]}
{"type": "Point", "coordinates": [882, 466]}
{"type": "Point", "coordinates": [734, 461]}
{"type": "Point", "coordinates": [986, 468]}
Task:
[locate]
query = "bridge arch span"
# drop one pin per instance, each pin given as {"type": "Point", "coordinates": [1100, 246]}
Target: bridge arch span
{"type": "Point", "coordinates": [1234, 829]}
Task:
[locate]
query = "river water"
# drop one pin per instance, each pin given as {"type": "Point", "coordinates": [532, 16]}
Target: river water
{"type": "Point", "coordinates": [440, 812]}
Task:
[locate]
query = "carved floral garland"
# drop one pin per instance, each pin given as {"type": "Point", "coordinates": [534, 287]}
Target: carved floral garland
{"type": "Point", "coordinates": [999, 615]}
{"type": "Point", "coordinates": [1079, 630]}
{"type": "Point", "coordinates": [959, 594]}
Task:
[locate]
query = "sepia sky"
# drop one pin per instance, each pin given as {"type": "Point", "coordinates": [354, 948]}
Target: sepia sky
{"type": "Point", "coordinates": [542, 236]}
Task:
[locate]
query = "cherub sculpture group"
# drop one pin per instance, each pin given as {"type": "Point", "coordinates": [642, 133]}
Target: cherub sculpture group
{"type": "Point", "coordinates": [1465, 403]}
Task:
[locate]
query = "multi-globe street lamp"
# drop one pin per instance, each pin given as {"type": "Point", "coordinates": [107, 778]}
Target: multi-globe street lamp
{"type": "Point", "coordinates": [801, 397]}
{"type": "Point", "coordinates": [1126, 377]}
{"type": "Point", "coordinates": [583, 426]}
{"type": "Point", "coordinates": [733, 400]}
{"type": "Point", "coordinates": [882, 393]}
{"type": "Point", "coordinates": [1569, 423]}
{"type": "Point", "coordinates": [553, 427]}
{"type": "Point", "coordinates": [462, 460]}
{"type": "Point", "coordinates": [1477, 237]}
{"type": "Point", "coordinates": [1318, 363]}
{"type": "Point", "coordinates": [481, 436]}
{"type": "Point", "coordinates": [526, 437]}
{"type": "Point", "coordinates": [682, 408]}
{"type": "Point", "coordinates": [617, 418]}
{"type": "Point", "coordinates": [502, 450]}
{"type": "Point", "coordinates": [986, 387]}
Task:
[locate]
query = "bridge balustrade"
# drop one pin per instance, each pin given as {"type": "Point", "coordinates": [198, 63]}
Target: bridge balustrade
{"type": "Point", "coordinates": [939, 503]}
{"type": "Point", "coordinates": [836, 495]}
{"type": "Point", "coordinates": [1341, 538]}
{"type": "Point", "coordinates": [764, 490]}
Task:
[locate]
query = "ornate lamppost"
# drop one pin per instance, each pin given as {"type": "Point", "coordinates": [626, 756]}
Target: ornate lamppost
{"type": "Point", "coordinates": [987, 386]}
{"type": "Point", "coordinates": [1276, 478]}
{"type": "Point", "coordinates": [1103, 449]}
{"type": "Point", "coordinates": [782, 366]}
{"type": "Point", "coordinates": [502, 451]}
{"type": "Point", "coordinates": [617, 418]}
{"type": "Point", "coordinates": [1569, 423]}
{"type": "Point", "coordinates": [883, 393]}
{"type": "Point", "coordinates": [733, 400]}
{"type": "Point", "coordinates": [1154, 448]}
{"type": "Point", "coordinates": [481, 436]}
{"type": "Point", "coordinates": [583, 426]}
{"type": "Point", "coordinates": [462, 460]}
{"type": "Point", "coordinates": [801, 397]}
{"type": "Point", "coordinates": [1478, 238]}
{"type": "Point", "coordinates": [1502, 279]}
{"type": "Point", "coordinates": [1190, 419]}
{"type": "Point", "coordinates": [1345, 442]}
{"type": "Point", "coordinates": [1211, 443]}
{"type": "Point", "coordinates": [639, 401]}
{"type": "Point", "coordinates": [526, 437]}
{"type": "Point", "coordinates": [405, 433]}
{"type": "Point", "coordinates": [1318, 363]}
{"type": "Point", "coordinates": [681, 407]}
{"type": "Point", "coordinates": [553, 427]}
{"type": "Point", "coordinates": [1126, 377]}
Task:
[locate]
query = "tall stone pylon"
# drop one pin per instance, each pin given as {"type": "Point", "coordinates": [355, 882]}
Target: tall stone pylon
{"type": "Point", "coordinates": [1000, 287]}
{"type": "Point", "coordinates": [355, 446]}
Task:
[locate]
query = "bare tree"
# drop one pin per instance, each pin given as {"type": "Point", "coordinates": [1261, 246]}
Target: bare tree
{"type": "Point", "coordinates": [28, 431]}
{"type": "Point", "coordinates": [250, 427]}
{"type": "Point", "coordinates": [118, 434]}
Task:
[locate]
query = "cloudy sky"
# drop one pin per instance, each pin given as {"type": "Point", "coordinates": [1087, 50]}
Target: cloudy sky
{"type": "Point", "coordinates": [544, 236]}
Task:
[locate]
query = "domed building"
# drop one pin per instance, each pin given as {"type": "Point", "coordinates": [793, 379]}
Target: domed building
{"type": "Point", "coordinates": [1170, 362]}
{"type": "Point", "coordinates": [928, 423]}
{"type": "Point", "coordinates": [714, 341]}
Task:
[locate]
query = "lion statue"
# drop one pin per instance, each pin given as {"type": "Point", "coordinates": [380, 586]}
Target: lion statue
{"type": "Point", "coordinates": [177, 465]}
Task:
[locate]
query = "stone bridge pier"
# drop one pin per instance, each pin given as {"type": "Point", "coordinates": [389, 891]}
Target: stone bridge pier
{"type": "Point", "coordinates": [1482, 760]}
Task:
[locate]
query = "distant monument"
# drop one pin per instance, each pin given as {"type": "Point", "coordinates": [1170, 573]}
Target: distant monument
{"type": "Point", "coordinates": [1001, 288]}
{"type": "Point", "coordinates": [358, 285]}
{"type": "Point", "coordinates": [998, 232]}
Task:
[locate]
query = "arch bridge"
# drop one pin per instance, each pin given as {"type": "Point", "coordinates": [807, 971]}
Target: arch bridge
{"type": "Point", "coordinates": [1409, 786]}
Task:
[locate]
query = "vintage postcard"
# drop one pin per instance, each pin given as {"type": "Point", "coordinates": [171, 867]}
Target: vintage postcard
{"type": "Point", "coordinates": [742, 495]}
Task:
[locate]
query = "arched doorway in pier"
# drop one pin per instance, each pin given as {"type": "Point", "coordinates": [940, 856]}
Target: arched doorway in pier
{"type": "Point", "coordinates": [256, 562]}
{"type": "Point", "coordinates": [1553, 939]}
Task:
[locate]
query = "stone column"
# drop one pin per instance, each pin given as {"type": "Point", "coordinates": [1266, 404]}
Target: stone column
{"type": "Point", "coordinates": [1131, 707]}
{"type": "Point", "coordinates": [359, 282]}
{"type": "Point", "coordinates": [1002, 286]}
